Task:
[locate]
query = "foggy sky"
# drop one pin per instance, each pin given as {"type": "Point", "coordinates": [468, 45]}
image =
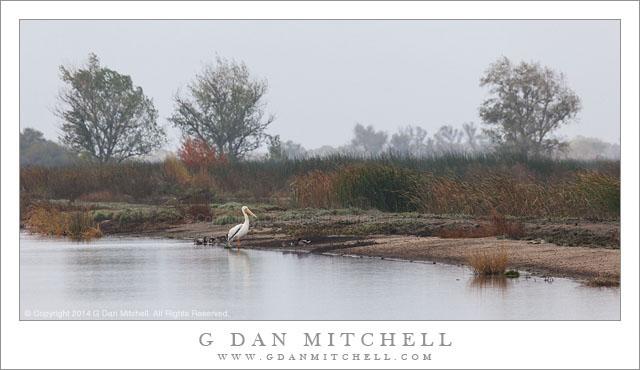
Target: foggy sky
{"type": "Point", "coordinates": [326, 76]}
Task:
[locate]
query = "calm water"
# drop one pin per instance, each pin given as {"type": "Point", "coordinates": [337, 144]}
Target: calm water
{"type": "Point", "coordinates": [115, 278]}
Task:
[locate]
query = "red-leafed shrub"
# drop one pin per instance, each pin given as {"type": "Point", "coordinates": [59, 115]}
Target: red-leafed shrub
{"type": "Point", "coordinates": [195, 153]}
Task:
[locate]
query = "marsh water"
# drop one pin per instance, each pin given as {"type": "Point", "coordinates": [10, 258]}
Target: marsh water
{"type": "Point", "coordinates": [160, 279]}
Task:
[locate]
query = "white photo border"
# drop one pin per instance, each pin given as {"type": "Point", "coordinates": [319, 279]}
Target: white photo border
{"type": "Point", "coordinates": [476, 344]}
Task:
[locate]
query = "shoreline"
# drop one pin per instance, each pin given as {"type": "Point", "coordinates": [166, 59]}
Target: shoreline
{"type": "Point", "coordinates": [537, 258]}
{"type": "Point", "coordinates": [580, 249]}
{"type": "Point", "coordinates": [552, 260]}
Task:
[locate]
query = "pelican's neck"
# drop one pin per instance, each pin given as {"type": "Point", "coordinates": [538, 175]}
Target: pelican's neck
{"type": "Point", "coordinates": [246, 218]}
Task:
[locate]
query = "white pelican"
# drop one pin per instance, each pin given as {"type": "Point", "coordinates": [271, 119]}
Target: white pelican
{"type": "Point", "coordinates": [242, 229]}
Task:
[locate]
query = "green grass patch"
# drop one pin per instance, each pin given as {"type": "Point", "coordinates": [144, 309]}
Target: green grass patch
{"type": "Point", "coordinates": [102, 215]}
{"type": "Point", "coordinates": [227, 220]}
{"type": "Point", "coordinates": [512, 274]}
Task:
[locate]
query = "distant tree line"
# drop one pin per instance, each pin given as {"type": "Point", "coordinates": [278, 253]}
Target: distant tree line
{"type": "Point", "coordinates": [35, 150]}
{"type": "Point", "coordinates": [413, 141]}
{"type": "Point", "coordinates": [106, 118]}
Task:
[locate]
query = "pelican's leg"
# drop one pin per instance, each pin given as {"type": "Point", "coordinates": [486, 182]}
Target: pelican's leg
{"type": "Point", "coordinates": [238, 242]}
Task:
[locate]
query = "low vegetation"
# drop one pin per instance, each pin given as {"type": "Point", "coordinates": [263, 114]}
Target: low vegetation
{"type": "Point", "coordinates": [512, 274]}
{"type": "Point", "coordinates": [227, 220]}
{"type": "Point", "coordinates": [49, 220]}
{"type": "Point", "coordinates": [454, 184]}
{"type": "Point", "coordinates": [467, 188]}
{"type": "Point", "coordinates": [604, 281]}
{"type": "Point", "coordinates": [498, 225]}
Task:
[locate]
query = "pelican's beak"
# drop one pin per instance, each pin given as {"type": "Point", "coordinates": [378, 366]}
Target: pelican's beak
{"type": "Point", "coordinates": [251, 213]}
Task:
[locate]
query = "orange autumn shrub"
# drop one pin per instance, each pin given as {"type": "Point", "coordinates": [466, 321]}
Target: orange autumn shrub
{"type": "Point", "coordinates": [195, 154]}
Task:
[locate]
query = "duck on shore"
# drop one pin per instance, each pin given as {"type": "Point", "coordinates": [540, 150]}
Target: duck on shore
{"type": "Point", "coordinates": [299, 241]}
{"type": "Point", "coordinates": [210, 240]}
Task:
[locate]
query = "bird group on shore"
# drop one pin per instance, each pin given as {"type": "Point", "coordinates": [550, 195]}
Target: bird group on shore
{"type": "Point", "coordinates": [210, 240]}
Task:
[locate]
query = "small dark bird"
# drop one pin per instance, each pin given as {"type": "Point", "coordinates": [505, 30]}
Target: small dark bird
{"type": "Point", "coordinates": [212, 240]}
{"type": "Point", "coordinates": [222, 239]}
{"type": "Point", "coordinates": [295, 243]}
{"type": "Point", "coordinates": [197, 241]}
{"type": "Point", "coordinates": [64, 233]}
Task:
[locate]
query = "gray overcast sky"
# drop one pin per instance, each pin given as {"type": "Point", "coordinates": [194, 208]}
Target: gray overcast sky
{"type": "Point", "coordinates": [325, 76]}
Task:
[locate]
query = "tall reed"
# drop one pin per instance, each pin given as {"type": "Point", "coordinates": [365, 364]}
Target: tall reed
{"type": "Point", "coordinates": [450, 184]}
{"type": "Point", "coordinates": [581, 194]}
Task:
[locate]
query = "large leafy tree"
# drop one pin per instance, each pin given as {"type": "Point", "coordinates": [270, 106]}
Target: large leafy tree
{"type": "Point", "coordinates": [225, 109]}
{"type": "Point", "coordinates": [105, 115]}
{"type": "Point", "coordinates": [528, 103]}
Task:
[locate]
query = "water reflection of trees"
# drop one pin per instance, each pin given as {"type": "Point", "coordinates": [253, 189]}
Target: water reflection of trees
{"type": "Point", "coordinates": [103, 273]}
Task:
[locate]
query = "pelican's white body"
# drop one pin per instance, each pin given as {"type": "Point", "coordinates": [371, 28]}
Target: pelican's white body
{"type": "Point", "coordinates": [240, 230]}
{"type": "Point", "coordinates": [234, 233]}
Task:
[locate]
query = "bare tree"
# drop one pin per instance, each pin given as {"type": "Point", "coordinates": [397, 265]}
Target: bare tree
{"type": "Point", "coordinates": [448, 139]}
{"type": "Point", "coordinates": [367, 140]}
{"type": "Point", "coordinates": [411, 141]}
{"type": "Point", "coordinates": [529, 102]}
{"type": "Point", "coordinates": [293, 150]}
{"type": "Point", "coordinates": [469, 131]}
{"type": "Point", "coordinates": [276, 151]}
{"type": "Point", "coordinates": [474, 140]}
{"type": "Point", "coordinates": [225, 109]}
{"type": "Point", "coordinates": [105, 116]}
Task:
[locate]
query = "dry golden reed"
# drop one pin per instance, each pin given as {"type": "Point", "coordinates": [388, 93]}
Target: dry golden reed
{"type": "Point", "coordinates": [314, 189]}
{"type": "Point", "coordinates": [489, 262]}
